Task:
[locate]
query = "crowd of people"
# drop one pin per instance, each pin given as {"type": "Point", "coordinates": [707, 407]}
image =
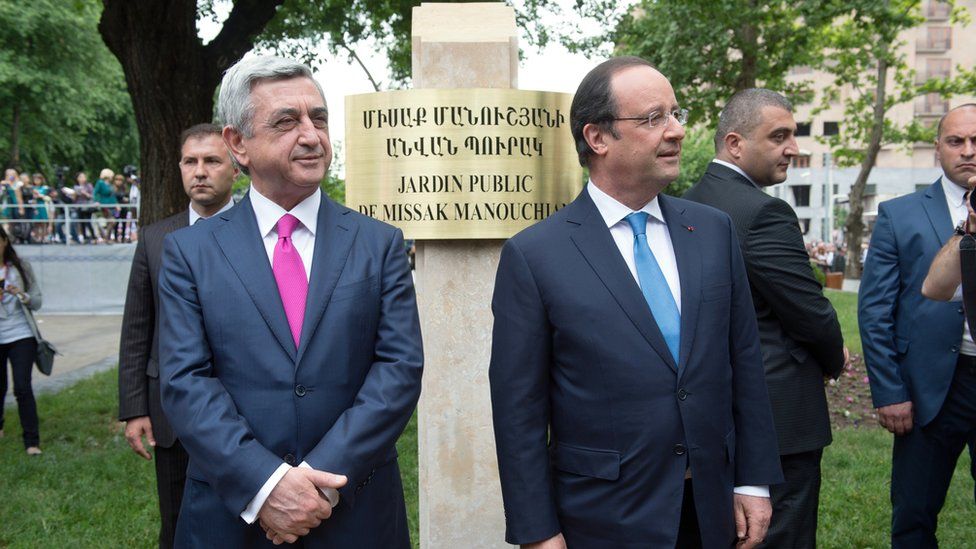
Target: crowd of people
{"type": "Point", "coordinates": [829, 257]}
{"type": "Point", "coordinates": [36, 212]}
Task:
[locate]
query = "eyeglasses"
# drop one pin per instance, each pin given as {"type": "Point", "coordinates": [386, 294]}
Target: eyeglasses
{"type": "Point", "coordinates": [658, 118]}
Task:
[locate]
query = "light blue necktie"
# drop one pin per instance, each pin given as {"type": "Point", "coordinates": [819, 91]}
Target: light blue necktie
{"type": "Point", "coordinates": [654, 286]}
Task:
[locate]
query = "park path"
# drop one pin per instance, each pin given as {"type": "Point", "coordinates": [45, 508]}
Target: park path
{"type": "Point", "coordinates": [88, 344]}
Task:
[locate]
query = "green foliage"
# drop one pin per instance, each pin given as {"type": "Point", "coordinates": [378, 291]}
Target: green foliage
{"type": "Point", "coordinates": [697, 150]}
{"type": "Point", "coordinates": [865, 34]}
{"type": "Point", "coordinates": [68, 91]}
{"type": "Point", "coordinates": [818, 274]}
{"type": "Point", "coordinates": [709, 50]}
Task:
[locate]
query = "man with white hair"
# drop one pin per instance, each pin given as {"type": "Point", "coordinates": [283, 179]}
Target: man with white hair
{"type": "Point", "coordinates": [289, 340]}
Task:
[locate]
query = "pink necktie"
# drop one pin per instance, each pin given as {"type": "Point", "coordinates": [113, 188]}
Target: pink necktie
{"type": "Point", "coordinates": [289, 273]}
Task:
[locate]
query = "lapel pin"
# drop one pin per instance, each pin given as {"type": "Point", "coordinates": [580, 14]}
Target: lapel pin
{"type": "Point", "coordinates": [690, 228]}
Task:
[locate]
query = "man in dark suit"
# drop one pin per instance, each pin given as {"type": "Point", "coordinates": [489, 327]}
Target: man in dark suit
{"type": "Point", "coordinates": [627, 386]}
{"type": "Point", "coordinates": [921, 360]}
{"type": "Point", "coordinates": [208, 174]}
{"type": "Point", "coordinates": [289, 340]}
{"type": "Point", "coordinates": [798, 329]}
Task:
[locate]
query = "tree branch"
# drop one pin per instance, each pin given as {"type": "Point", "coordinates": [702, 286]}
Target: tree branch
{"type": "Point", "coordinates": [246, 20]}
{"type": "Point", "coordinates": [352, 53]}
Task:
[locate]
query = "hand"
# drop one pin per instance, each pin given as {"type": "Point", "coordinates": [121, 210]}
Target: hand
{"type": "Point", "coordinates": [847, 358]}
{"type": "Point", "coordinates": [296, 505]}
{"type": "Point", "coordinates": [752, 514]}
{"type": "Point", "coordinates": [896, 418]}
{"type": "Point", "coordinates": [135, 429]}
{"type": "Point", "coordinates": [555, 542]}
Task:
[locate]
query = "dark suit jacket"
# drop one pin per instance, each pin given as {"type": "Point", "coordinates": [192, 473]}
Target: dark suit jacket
{"type": "Point", "coordinates": [139, 345]}
{"type": "Point", "coordinates": [798, 329]}
{"type": "Point", "coordinates": [595, 424]}
{"type": "Point", "coordinates": [243, 399]}
{"type": "Point", "coordinates": [911, 344]}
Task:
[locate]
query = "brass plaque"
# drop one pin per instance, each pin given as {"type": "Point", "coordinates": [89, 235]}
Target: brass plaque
{"type": "Point", "coordinates": [460, 163]}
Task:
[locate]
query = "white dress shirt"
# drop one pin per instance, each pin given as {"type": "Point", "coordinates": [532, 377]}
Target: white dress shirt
{"type": "Point", "coordinates": [659, 239]}
{"type": "Point", "coordinates": [194, 216]}
{"type": "Point", "coordinates": [267, 214]}
{"type": "Point", "coordinates": [956, 200]}
{"type": "Point", "coordinates": [736, 169]}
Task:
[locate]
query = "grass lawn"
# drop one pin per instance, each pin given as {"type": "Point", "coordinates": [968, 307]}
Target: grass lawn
{"type": "Point", "coordinates": [90, 490]}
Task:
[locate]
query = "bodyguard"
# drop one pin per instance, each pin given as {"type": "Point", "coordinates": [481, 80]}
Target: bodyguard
{"type": "Point", "coordinates": [798, 329]}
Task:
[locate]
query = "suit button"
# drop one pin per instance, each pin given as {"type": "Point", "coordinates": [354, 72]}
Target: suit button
{"type": "Point", "coordinates": [954, 349]}
{"type": "Point", "coordinates": [682, 394]}
{"type": "Point", "coordinates": [300, 390]}
{"type": "Point", "coordinates": [679, 449]}
{"type": "Point", "coordinates": [961, 311]}
{"type": "Point", "coordinates": [290, 459]}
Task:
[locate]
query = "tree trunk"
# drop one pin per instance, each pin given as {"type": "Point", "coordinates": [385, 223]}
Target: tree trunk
{"type": "Point", "coordinates": [855, 225]}
{"type": "Point", "coordinates": [749, 46]}
{"type": "Point", "coordinates": [15, 138]}
{"type": "Point", "coordinates": [171, 78]}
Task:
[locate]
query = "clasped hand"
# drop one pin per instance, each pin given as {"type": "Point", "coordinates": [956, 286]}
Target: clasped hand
{"type": "Point", "coordinates": [296, 505]}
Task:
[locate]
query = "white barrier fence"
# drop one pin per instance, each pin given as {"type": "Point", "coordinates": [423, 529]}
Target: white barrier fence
{"type": "Point", "coordinates": [70, 223]}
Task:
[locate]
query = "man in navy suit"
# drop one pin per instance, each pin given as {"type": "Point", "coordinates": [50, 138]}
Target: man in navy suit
{"type": "Point", "coordinates": [920, 359]}
{"type": "Point", "coordinates": [290, 345]}
{"type": "Point", "coordinates": [627, 383]}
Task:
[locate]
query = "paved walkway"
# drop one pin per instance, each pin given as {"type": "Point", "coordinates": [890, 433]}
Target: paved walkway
{"type": "Point", "coordinates": [87, 343]}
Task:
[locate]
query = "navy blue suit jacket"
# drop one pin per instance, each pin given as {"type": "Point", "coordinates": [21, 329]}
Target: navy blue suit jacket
{"type": "Point", "coordinates": [910, 343]}
{"type": "Point", "coordinates": [595, 423]}
{"type": "Point", "coordinates": [243, 399]}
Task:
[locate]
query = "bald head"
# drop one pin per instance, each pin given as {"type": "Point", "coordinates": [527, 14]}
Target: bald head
{"type": "Point", "coordinates": [956, 145]}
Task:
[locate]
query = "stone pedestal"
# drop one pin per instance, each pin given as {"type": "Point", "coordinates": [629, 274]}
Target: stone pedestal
{"type": "Point", "coordinates": [459, 46]}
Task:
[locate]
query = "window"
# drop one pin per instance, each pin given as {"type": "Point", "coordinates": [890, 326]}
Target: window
{"type": "Point", "coordinates": [831, 128]}
{"type": "Point", "coordinates": [801, 161]}
{"type": "Point", "coordinates": [803, 129]}
{"type": "Point", "coordinates": [804, 225]}
{"type": "Point", "coordinates": [934, 68]}
{"type": "Point", "coordinates": [936, 39]}
{"type": "Point", "coordinates": [801, 195]}
{"type": "Point", "coordinates": [937, 10]}
{"type": "Point", "coordinates": [931, 104]}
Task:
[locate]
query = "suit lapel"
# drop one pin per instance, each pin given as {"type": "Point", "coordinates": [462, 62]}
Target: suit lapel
{"type": "Point", "coordinates": [336, 233]}
{"type": "Point", "coordinates": [937, 211]}
{"type": "Point", "coordinates": [592, 238]}
{"type": "Point", "coordinates": [687, 255]}
{"type": "Point", "coordinates": [241, 243]}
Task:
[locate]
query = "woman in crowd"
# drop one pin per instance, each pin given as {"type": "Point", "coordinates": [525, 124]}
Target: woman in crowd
{"type": "Point", "coordinates": [104, 195]}
{"type": "Point", "coordinates": [121, 197]}
{"type": "Point", "coordinates": [17, 343]}
{"type": "Point", "coordinates": [83, 195]}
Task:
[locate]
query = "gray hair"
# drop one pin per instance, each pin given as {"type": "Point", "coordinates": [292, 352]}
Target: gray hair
{"type": "Point", "coordinates": [234, 105]}
{"type": "Point", "coordinates": [742, 114]}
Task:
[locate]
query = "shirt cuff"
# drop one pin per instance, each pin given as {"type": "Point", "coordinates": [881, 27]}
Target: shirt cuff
{"type": "Point", "coordinates": [958, 295]}
{"type": "Point", "coordinates": [250, 513]}
{"type": "Point", "coordinates": [758, 491]}
{"type": "Point", "coordinates": [331, 494]}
